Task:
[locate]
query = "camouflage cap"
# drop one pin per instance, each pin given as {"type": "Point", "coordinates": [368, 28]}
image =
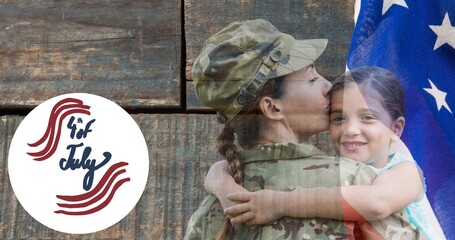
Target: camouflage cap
{"type": "Point", "coordinates": [236, 62]}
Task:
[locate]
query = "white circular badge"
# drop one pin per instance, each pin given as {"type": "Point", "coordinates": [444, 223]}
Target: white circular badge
{"type": "Point", "coordinates": [78, 163]}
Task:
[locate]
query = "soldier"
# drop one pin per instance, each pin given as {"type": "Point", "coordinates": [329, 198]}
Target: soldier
{"type": "Point", "coordinates": [270, 98]}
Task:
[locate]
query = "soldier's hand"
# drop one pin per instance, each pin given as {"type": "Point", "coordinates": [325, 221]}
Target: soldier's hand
{"type": "Point", "coordinates": [259, 207]}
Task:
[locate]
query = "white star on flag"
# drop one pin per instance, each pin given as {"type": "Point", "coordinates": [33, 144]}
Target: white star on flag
{"type": "Point", "coordinates": [387, 4]}
{"type": "Point", "coordinates": [445, 32]}
{"type": "Point", "coordinates": [439, 96]}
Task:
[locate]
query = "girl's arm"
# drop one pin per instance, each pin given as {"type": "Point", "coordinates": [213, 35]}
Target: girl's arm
{"type": "Point", "coordinates": [391, 191]}
{"type": "Point", "coordinates": [220, 183]}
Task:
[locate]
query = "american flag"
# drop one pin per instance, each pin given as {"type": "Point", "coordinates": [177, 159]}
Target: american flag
{"type": "Point", "coordinates": [415, 39]}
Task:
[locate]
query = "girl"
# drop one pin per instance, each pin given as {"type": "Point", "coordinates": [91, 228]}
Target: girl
{"type": "Point", "coordinates": [367, 116]}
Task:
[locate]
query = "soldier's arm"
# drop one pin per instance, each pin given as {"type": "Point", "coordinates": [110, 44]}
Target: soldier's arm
{"type": "Point", "coordinates": [220, 183]}
{"type": "Point", "coordinates": [391, 191]}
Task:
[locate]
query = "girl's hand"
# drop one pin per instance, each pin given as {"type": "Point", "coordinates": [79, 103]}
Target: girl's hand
{"type": "Point", "coordinates": [228, 203]}
{"type": "Point", "coordinates": [220, 183]}
{"type": "Point", "coordinates": [261, 207]}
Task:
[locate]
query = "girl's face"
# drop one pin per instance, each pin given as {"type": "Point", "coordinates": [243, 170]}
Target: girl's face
{"type": "Point", "coordinates": [360, 127]}
{"type": "Point", "coordinates": [306, 102]}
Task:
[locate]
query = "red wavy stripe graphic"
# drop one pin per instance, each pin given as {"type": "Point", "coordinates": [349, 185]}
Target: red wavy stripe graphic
{"type": "Point", "coordinates": [50, 148]}
{"type": "Point", "coordinates": [97, 189]}
{"type": "Point", "coordinates": [56, 111]}
{"type": "Point", "coordinates": [51, 124]}
{"type": "Point", "coordinates": [96, 198]}
{"type": "Point", "coordinates": [102, 205]}
{"type": "Point", "coordinates": [50, 141]}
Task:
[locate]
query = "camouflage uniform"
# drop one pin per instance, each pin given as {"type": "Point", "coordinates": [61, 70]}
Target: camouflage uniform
{"type": "Point", "coordinates": [293, 167]}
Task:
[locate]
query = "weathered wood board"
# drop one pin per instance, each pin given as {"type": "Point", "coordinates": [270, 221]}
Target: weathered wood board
{"type": "Point", "coordinates": [127, 51]}
{"type": "Point", "coordinates": [303, 19]}
{"type": "Point", "coordinates": [181, 149]}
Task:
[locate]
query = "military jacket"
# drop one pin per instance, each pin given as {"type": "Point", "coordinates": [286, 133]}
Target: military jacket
{"type": "Point", "coordinates": [293, 167]}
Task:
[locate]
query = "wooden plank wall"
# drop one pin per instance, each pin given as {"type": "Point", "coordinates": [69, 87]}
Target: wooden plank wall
{"type": "Point", "coordinates": [115, 49]}
{"type": "Point", "coordinates": [139, 54]}
{"type": "Point", "coordinates": [178, 163]}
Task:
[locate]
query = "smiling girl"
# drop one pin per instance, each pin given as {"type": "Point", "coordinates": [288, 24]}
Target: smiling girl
{"type": "Point", "coordinates": [366, 122]}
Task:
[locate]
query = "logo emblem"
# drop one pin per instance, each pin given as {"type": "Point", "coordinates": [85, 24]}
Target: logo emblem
{"type": "Point", "coordinates": [78, 163]}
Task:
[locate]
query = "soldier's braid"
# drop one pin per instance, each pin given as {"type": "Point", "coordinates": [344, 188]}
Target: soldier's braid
{"type": "Point", "coordinates": [227, 148]}
{"type": "Point", "coordinates": [246, 126]}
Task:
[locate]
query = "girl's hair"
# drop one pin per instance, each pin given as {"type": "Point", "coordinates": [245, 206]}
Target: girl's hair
{"type": "Point", "coordinates": [381, 80]}
{"type": "Point", "coordinates": [246, 126]}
